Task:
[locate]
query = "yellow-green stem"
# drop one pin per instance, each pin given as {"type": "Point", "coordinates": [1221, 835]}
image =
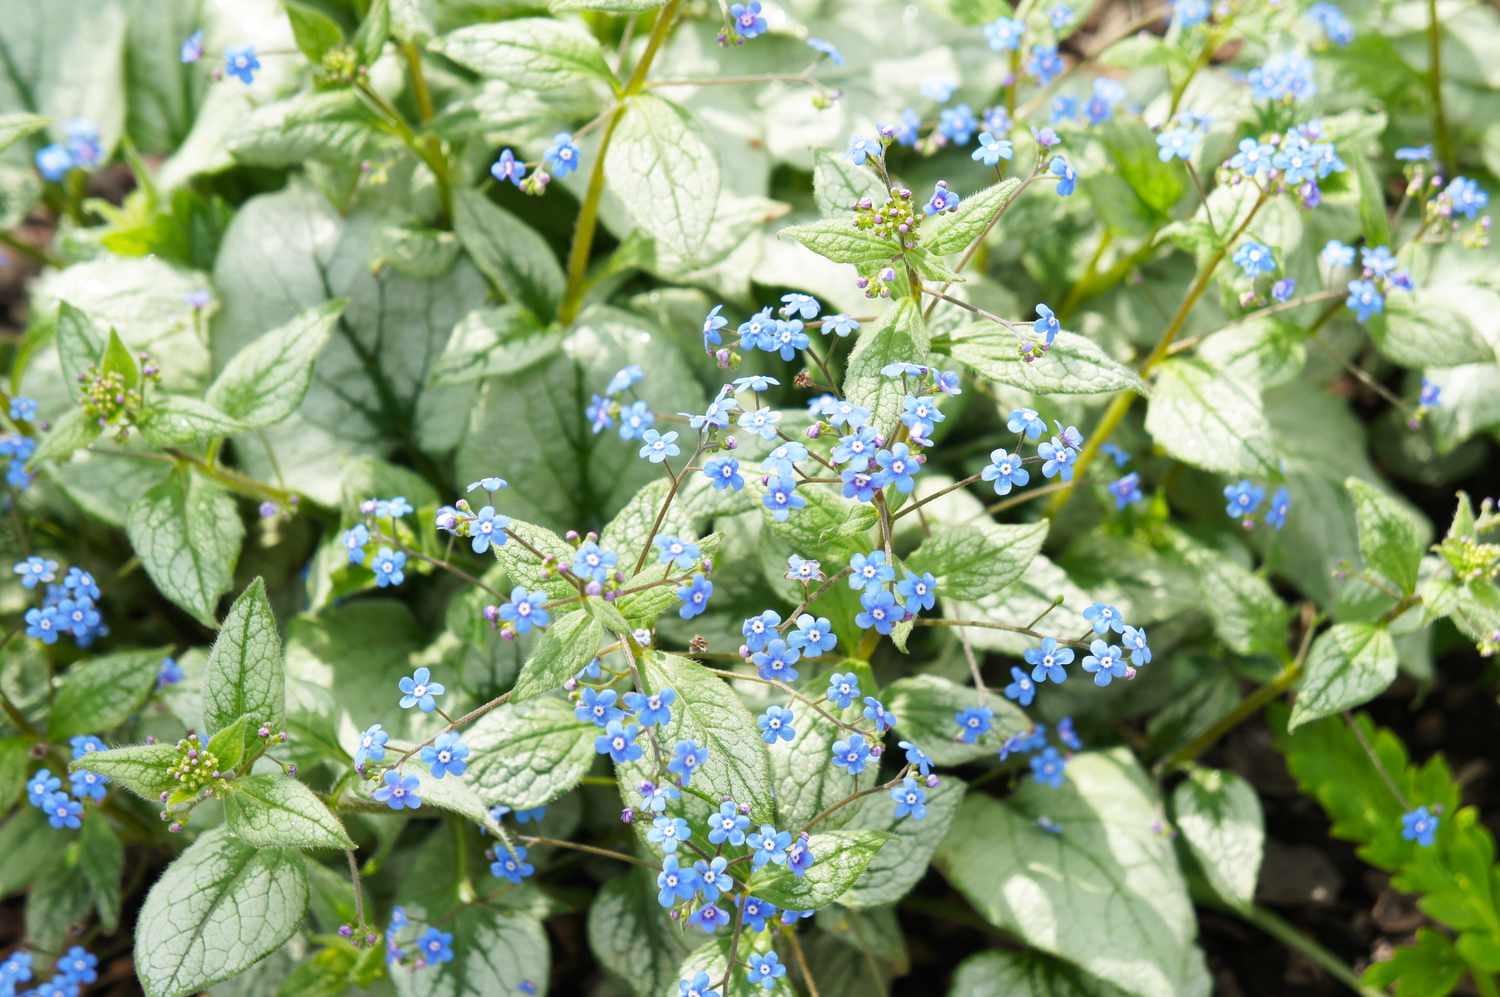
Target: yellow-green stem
{"type": "Point", "coordinates": [1435, 86]}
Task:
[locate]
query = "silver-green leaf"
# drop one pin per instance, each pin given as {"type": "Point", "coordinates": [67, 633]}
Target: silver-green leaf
{"type": "Point", "coordinates": [526, 755]}
{"type": "Point", "coordinates": [1349, 664]}
{"type": "Point", "coordinates": [187, 533]}
{"type": "Point", "coordinates": [277, 811]}
{"type": "Point", "coordinates": [266, 381]}
{"type": "Point", "coordinates": [246, 674]}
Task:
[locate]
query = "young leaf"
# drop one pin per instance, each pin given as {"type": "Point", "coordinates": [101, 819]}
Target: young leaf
{"type": "Point", "coordinates": [178, 420]}
{"type": "Point", "coordinates": [1390, 540]}
{"type": "Point", "coordinates": [515, 258]}
{"type": "Point", "coordinates": [99, 694]}
{"type": "Point", "coordinates": [902, 338]}
{"type": "Point", "coordinates": [1073, 366]}
{"type": "Point", "coordinates": [277, 811]}
{"type": "Point", "coordinates": [565, 648]}
{"type": "Point", "coordinates": [532, 53]}
{"type": "Point", "coordinates": [15, 757]}
{"type": "Point", "coordinates": [101, 859]}
{"type": "Point", "coordinates": [956, 230]}
{"type": "Point", "coordinates": [829, 528]}
{"type": "Point", "coordinates": [1219, 816]}
{"type": "Point", "coordinates": [663, 169]}
{"type": "Point", "coordinates": [1349, 664]}
{"type": "Point", "coordinates": [246, 676]}
{"type": "Point", "coordinates": [313, 31]}
{"type": "Point", "coordinates": [265, 381]}
{"type": "Point", "coordinates": [228, 745]}
{"type": "Point", "coordinates": [838, 240]}
{"type": "Point", "coordinates": [117, 359]}
{"type": "Point", "coordinates": [1205, 418]}
{"type": "Point", "coordinates": [526, 755]}
{"type": "Point", "coordinates": [73, 431]}
{"type": "Point", "coordinates": [925, 707]}
{"type": "Point", "coordinates": [1247, 613]}
{"type": "Point", "coordinates": [221, 907]}
{"type": "Point", "coordinates": [80, 345]}
{"type": "Point", "coordinates": [972, 561]}
{"type": "Point", "coordinates": [839, 858]}
{"type": "Point", "coordinates": [187, 533]}
{"type": "Point", "coordinates": [898, 866]}
{"type": "Point", "coordinates": [144, 769]}
{"type": "Point", "coordinates": [632, 936]}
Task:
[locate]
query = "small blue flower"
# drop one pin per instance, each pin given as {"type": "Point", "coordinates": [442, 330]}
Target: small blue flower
{"type": "Point", "coordinates": [688, 757]}
{"type": "Point", "coordinates": [1004, 34]}
{"type": "Point", "coordinates": [418, 690]}
{"type": "Point", "coordinates": [486, 528]}
{"type": "Point", "coordinates": [826, 48]}
{"type": "Point", "coordinates": [525, 610]}
{"type": "Point", "coordinates": [1254, 258]}
{"type": "Point", "coordinates": [1281, 502]}
{"type": "Point", "coordinates": [43, 624]}
{"type": "Point", "coordinates": [974, 722]}
{"type": "Point", "coordinates": [878, 610]}
{"type": "Point", "coordinates": [81, 583]}
{"type": "Point", "coordinates": [562, 155]}
{"type": "Point", "coordinates": [76, 966]}
{"type": "Point", "coordinates": [698, 986]}
{"type": "Point", "coordinates": [654, 798]}
{"type": "Point", "coordinates": [877, 714]}
{"type": "Point", "coordinates": [839, 324]}
{"type": "Point", "coordinates": [657, 447]}
{"type": "Point", "coordinates": [856, 449]}
{"type": "Point", "coordinates": [957, 124]}
{"type": "Point", "coordinates": [765, 969]}
{"type": "Point", "coordinates": [781, 498]}
{"type": "Point", "coordinates": [593, 564]}
{"type": "Point", "coordinates": [813, 635]}
{"type": "Point", "coordinates": [399, 792]}
{"type": "Point", "coordinates": [727, 825]}
{"type": "Point", "coordinates": [1022, 688]}
{"type": "Point", "coordinates": [991, 149]}
{"type": "Point", "coordinates": [1057, 459]}
{"type": "Point", "coordinates": [867, 568]}
{"type": "Point", "coordinates": [1127, 490]}
{"type": "Point", "coordinates": [1178, 143]}
{"type": "Point", "coordinates": [799, 857]}
{"type": "Point", "coordinates": [508, 167]}
{"type": "Point", "coordinates": [1420, 826]}
{"type": "Point", "coordinates": [1106, 662]}
{"type": "Point", "coordinates": [803, 306]}
{"type": "Point", "coordinates": [758, 630]}
{"type": "Point", "coordinates": [1064, 108]}
{"type": "Point", "coordinates": [446, 755]}
{"type": "Point", "coordinates": [635, 419]}
{"type": "Point", "coordinates": [1335, 254]}
{"type": "Point", "coordinates": [851, 754]}
{"type": "Point", "coordinates": [1047, 325]}
{"type": "Point", "coordinates": [1049, 661]}
{"type": "Point", "coordinates": [843, 689]}
{"type": "Point", "coordinates": [694, 595]}
{"type": "Point", "coordinates": [918, 592]}
{"type": "Point", "coordinates": [654, 710]}
{"type": "Point", "coordinates": [241, 63]}
{"type": "Point", "coordinates": [1026, 422]}
{"type": "Point", "coordinates": [777, 662]}
{"type": "Point", "coordinates": [1104, 618]}
{"type": "Point", "coordinates": [712, 879]}
{"type": "Point", "coordinates": [87, 785]}
{"type": "Point", "coordinates": [1045, 65]}
{"type": "Point", "coordinates": [53, 162]}
{"type": "Point", "coordinates": [598, 707]}
{"type": "Point", "coordinates": [942, 200]}
{"type": "Point", "coordinates": [192, 48]}
{"type": "Point", "coordinates": [1334, 25]}
{"type": "Point", "coordinates": [1466, 197]}
{"type": "Point", "coordinates": [1066, 735]}
{"type": "Point", "coordinates": [1060, 16]}
{"type": "Point", "coordinates": [756, 911]}
{"type": "Point", "coordinates": [355, 539]}
{"type": "Point", "coordinates": [63, 811]}
{"type": "Point", "coordinates": [618, 742]}
{"type": "Point", "coordinates": [1253, 157]}
{"type": "Point", "coordinates": [1285, 76]}
{"type": "Point", "coordinates": [41, 785]}
{"type": "Point", "coordinates": [675, 883]}
{"type": "Point", "coordinates": [676, 551]}
{"type": "Point", "coordinates": [624, 379]}
{"type": "Point", "coordinates": [1005, 471]}
{"type": "Point", "coordinates": [747, 20]}
{"type": "Point", "coordinates": [170, 673]}
{"type": "Point", "coordinates": [910, 800]}
{"type": "Point", "coordinates": [897, 467]}
{"type": "Point", "coordinates": [83, 745]}
{"type": "Point", "coordinates": [371, 746]}
{"type": "Point", "coordinates": [756, 332]}
{"type": "Point", "coordinates": [1047, 768]}
{"type": "Point", "coordinates": [905, 132]}
{"type": "Point", "coordinates": [23, 409]}
{"type": "Point", "coordinates": [668, 832]}
{"type": "Point", "coordinates": [1242, 498]}
{"type": "Point", "coordinates": [436, 947]}
{"type": "Point", "coordinates": [491, 485]}
{"type": "Point", "coordinates": [1067, 177]}
{"type": "Point", "coordinates": [35, 570]}
{"type": "Point", "coordinates": [712, 323]}
{"type": "Point", "coordinates": [510, 864]}
{"type": "Point", "coordinates": [1134, 639]}
{"type": "Point", "coordinates": [776, 725]}
{"type": "Point", "coordinates": [388, 565]}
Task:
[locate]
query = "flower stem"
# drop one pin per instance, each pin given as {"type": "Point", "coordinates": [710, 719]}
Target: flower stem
{"type": "Point", "coordinates": [1435, 86]}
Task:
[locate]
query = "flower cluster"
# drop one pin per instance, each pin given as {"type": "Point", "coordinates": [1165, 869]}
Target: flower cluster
{"type": "Point", "coordinates": [1057, 455]}
{"type": "Point", "coordinates": [74, 969]}
{"type": "Point", "coordinates": [429, 947]}
{"type": "Point", "coordinates": [1048, 763]}
{"type": "Point", "coordinates": [79, 150]}
{"type": "Point", "coordinates": [1293, 161]}
{"type": "Point", "coordinates": [1243, 498]}
{"type": "Point", "coordinates": [69, 607]}
{"type": "Point", "coordinates": [561, 157]}
{"type": "Point", "coordinates": [1380, 273]}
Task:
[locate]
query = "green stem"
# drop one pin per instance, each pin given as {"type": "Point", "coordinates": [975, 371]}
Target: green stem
{"type": "Point", "coordinates": [1289, 936]}
{"type": "Point", "coordinates": [1484, 983]}
{"type": "Point", "coordinates": [418, 81]}
{"type": "Point", "coordinates": [29, 251]}
{"type": "Point", "coordinates": [429, 152]}
{"type": "Point", "coordinates": [588, 212]}
{"type": "Point", "coordinates": [1435, 86]}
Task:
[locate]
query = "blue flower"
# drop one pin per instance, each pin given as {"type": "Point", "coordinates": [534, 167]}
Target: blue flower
{"type": "Point", "coordinates": [957, 124]}
{"type": "Point", "coordinates": [781, 498]}
{"type": "Point", "coordinates": [918, 592]}
{"type": "Point", "coordinates": [1047, 325]}
{"type": "Point", "coordinates": [1280, 503]}
{"type": "Point", "coordinates": [897, 467]}
{"type": "Point", "coordinates": [1049, 661]}
{"type": "Point", "coordinates": [618, 742]}
{"type": "Point", "coordinates": [654, 710]}
{"type": "Point", "coordinates": [35, 570]}
{"type": "Point", "coordinates": [81, 583]}
{"type": "Point", "coordinates": [878, 610]}
{"type": "Point", "coordinates": [856, 449]}
{"type": "Point", "coordinates": [635, 419]}
{"type": "Point", "coordinates": [436, 947]}
{"type": "Point", "coordinates": [843, 412]}
{"type": "Point", "coordinates": [991, 149]}
{"type": "Point", "coordinates": [777, 662]}
{"type": "Point", "coordinates": [668, 832]}
{"type": "Point", "coordinates": [525, 610]}
{"type": "Point", "coordinates": [1104, 618]}
{"type": "Point", "coordinates": [688, 757]}
{"type": "Point", "coordinates": [1127, 490]}
{"type": "Point", "coordinates": [974, 722]}
{"type": "Point", "coordinates": [53, 162]}
{"type": "Point", "coordinates": [910, 800]}
{"type": "Point", "coordinates": [593, 564]}
{"type": "Point", "coordinates": [83, 745]}
{"type": "Point", "coordinates": [756, 911]}
{"type": "Point", "coordinates": [765, 970]}
{"type": "Point", "coordinates": [192, 48]}
{"type": "Point", "coordinates": [1242, 498]}
{"type": "Point", "coordinates": [388, 565]}
{"type": "Point", "coordinates": [1066, 735]}
{"type": "Point", "coordinates": [1064, 108]}
{"type": "Point", "coordinates": [694, 596]}
{"type": "Point", "coordinates": [87, 785]}
{"type": "Point", "coordinates": [1004, 34]}
{"type": "Point", "coordinates": [782, 462]}
{"type": "Point", "coordinates": [535, 814]}
{"type": "Point", "coordinates": [62, 811]}
{"type": "Point", "coordinates": [906, 131]}
{"type": "Point", "coordinates": [801, 305]}
{"type": "Point", "coordinates": [599, 414]}
{"type": "Point", "coordinates": [756, 332]}
{"type": "Point", "coordinates": [1420, 826]}
{"type": "Point", "coordinates": [826, 48]}
{"type": "Point", "coordinates": [371, 746]}
{"type": "Point", "coordinates": [655, 798]}
{"type": "Point", "coordinates": [1283, 289]}
{"type": "Point", "coordinates": [418, 690]}
{"type": "Point", "coordinates": [727, 825]}
{"type": "Point", "coordinates": [776, 725]}
{"type": "Point", "coordinates": [76, 966]}
{"type": "Point", "coordinates": [762, 422]}
{"type": "Point", "coordinates": [712, 879]}
{"type": "Point", "coordinates": [1047, 768]}
{"type": "Point", "coordinates": [1334, 25]}
{"type": "Point", "coordinates": [813, 636]}
{"type": "Point", "coordinates": [789, 337]}
{"type": "Point", "coordinates": [712, 323]}
{"type": "Point", "coordinates": [486, 528]}
{"type": "Point", "coordinates": [709, 918]}
{"type": "Point", "coordinates": [1022, 688]}
{"type": "Point", "coordinates": [1466, 197]}
{"type": "Point", "coordinates": [1058, 459]}
{"type": "Point", "coordinates": [1106, 662]}
{"type": "Point", "coordinates": [872, 567]}
{"type": "Point", "coordinates": [1415, 153]}
{"type": "Point", "coordinates": [169, 673]}
{"type": "Point", "coordinates": [942, 200]}
{"type": "Point", "coordinates": [510, 864]}
{"type": "Point", "coordinates": [676, 551]}
{"type": "Point", "coordinates": [1005, 470]}
{"type": "Point", "coordinates": [747, 20]}
{"type": "Point", "coordinates": [41, 785]}
{"type": "Point", "coordinates": [1285, 76]}
{"type": "Point", "coordinates": [1190, 13]}
{"type": "Point", "coordinates": [658, 447]}
{"type": "Point", "coordinates": [43, 624]}
{"type": "Point", "coordinates": [491, 485]}
{"type": "Point", "coordinates": [1044, 65]}
{"type": "Point", "coordinates": [851, 754]}
{"type": "Point", "coordinates": [598, 707]}
{"type": "Point", "coordinates": [698, 986]}
{"type": "Point", "coordinates": [399, 792]}
{"type": "Point", "coordinates": [1253, 157]}
{"type": "Point", "coordinates": [23, 409]}
{"type": "Point", "coordinates": [1177, 143]}
{"type": "Point", "coordinates": [1060, 16]}
{"type": "Point", "coordinates": [1067, 177]}
{"type": "Point", "coordinates": [446, 755]}
{"type": "Point", "coordinates": [799, 857]}
{"type": "Point", "coordinates": [862, 148]}
{"type": "Point", "coordinates": [1254, 258]}
{"type": "Point", "coordinates": [675, 883]}
{"type": "Point", "coordinates": [1336, 254]}
{"type": "Point", "coordinates": [839, 324]}
{"type": "Point", "coordinates": [843, 689]}
{"type": "Point", "coordinates": [241, 63]}
{"type": "Point", "coordinates": [508, 167]}
{"type": "Point", "coordinates": [758, 630]}
{"type": "Point", "coordinates": [916, 757]}
{"type": "Point", "coordinates": [1026, 422]}
{"type": "Point", "coordinates": [562, 155]}
{"type": "Point", "coordinates": [1134, 639]}
{"type": "Point", "coordinates": [877, 714]}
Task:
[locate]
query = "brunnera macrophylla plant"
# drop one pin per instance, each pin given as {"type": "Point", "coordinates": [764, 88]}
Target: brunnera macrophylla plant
{"type": "Point", "coordinates": [716, 467]}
